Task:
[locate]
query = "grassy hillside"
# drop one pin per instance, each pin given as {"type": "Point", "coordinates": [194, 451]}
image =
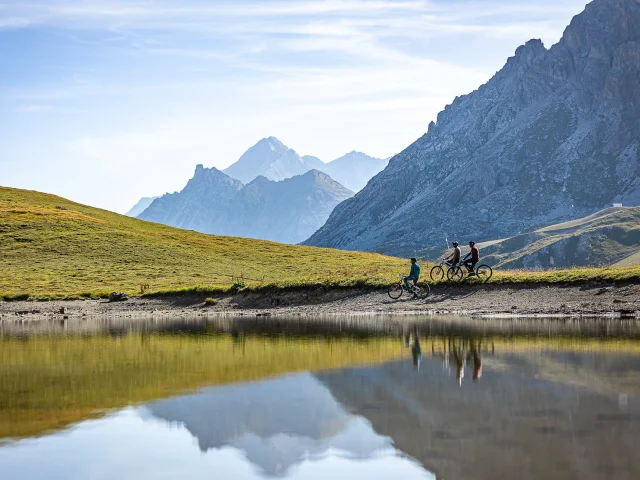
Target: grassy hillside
{"type": "Point", "coordinates": [604, 238]}
{"type": "Point", "coordinates": [630, 261]}
{"type": "Point", "coordinates": [51, 246]}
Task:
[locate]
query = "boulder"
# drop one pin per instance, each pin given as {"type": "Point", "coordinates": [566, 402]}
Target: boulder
{"type": "Point", "coordinates": [118, 297]}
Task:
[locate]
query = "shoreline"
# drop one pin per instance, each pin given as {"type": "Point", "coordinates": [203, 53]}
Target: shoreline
{"type": "Point", "coordinates": [607, 300]}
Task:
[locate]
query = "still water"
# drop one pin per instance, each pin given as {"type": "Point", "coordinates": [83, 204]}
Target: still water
{"type": "Point", "coordinates": [409, 398]}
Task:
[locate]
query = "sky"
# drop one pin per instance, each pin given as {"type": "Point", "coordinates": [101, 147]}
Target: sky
{"type": "Point", "coordinates": [106, 101]}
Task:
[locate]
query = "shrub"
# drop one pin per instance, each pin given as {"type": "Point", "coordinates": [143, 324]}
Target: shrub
{"type": "Point", "coordinates": [210, 301]}
{"type": "Point", "coordinates": [237, 287]}
{"type": "Point", "coordinates": [16, 297]}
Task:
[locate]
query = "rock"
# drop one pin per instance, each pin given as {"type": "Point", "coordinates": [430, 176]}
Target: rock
{"type": "Point", "coordinates": [602, 290]}
{"type": "Point", "coordinates": [552, 136]}
{"type": "Point", "coordinates": [62, 310]}
{"type": "Point", "coordinates": [118, 297]}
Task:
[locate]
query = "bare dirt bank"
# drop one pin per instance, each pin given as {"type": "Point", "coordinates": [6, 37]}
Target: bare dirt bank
{"type": "Point", "coordinates": [473, 300]}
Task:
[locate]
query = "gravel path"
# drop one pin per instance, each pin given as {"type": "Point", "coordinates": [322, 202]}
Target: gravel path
{"type": "Point", "coordinates": [466, 300]}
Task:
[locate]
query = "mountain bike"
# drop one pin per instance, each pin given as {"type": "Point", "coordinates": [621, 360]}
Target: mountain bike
{"type": "Point", "coordinates": [438, 272]}
{"type": "Point", "coordinates": [457, 274]}
{"type": "Point", "coordinates": [397, 289]}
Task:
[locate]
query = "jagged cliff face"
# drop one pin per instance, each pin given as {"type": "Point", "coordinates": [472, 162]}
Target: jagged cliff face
{"type": "Point", "coordinates": [287, 211]}
{"type": "Point", "coordinates": [554, 135]}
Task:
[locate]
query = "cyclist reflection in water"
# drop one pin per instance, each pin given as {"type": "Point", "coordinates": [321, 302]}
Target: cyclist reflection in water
{"type": "Point", "coordinates": [458, 358]}
{"type": "Point", "coordinates": [413, 340]}
{"type": "Point", "coordinates": [474, 355]}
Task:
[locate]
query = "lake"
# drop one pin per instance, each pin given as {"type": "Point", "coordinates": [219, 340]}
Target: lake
{"type": "Point", "coordinates": [362, 397]}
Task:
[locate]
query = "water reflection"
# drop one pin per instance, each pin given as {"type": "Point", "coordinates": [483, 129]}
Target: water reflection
{"type": "Point", "coordinates": [276, 424]}
{"type": "Point", "coordinates": [349, 399]}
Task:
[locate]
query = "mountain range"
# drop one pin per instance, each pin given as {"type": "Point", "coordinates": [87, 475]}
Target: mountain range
{"type": "Point", "coordinates": [553, 136]}
{"type": "Point", "coordinates": [286, 211]}
{"type": "Point", "coordinates": [272, 159]}
{"type": "Point", "coordinates": [270, 193]}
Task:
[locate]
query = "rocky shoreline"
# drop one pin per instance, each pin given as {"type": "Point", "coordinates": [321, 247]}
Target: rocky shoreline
{"type": "Point", "coordinates": [612, 300]}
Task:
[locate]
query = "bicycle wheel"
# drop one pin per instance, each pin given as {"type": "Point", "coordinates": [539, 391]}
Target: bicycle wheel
{"type": "Point", "coordinates": [484, 273]}
{"type": "Point", "coordinates": [424, 292]}
{"type": "Point", "coordinates": [395, 291]}
{"type": "Point", "coordinates": [437, 273]}
{"type": "Point", "coordinates": [455, 274]}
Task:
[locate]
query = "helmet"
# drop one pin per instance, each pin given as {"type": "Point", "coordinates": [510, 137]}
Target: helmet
{"type": "Point", "coordinates": [472, 243]}
{"type": "Point", "coordinates": [413, 259]}
{"type": "Point", "coordinates": [455, 244]}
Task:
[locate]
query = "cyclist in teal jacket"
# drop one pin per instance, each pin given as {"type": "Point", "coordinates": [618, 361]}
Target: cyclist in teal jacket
{"type": "Point", "coordinates": [414, 274]}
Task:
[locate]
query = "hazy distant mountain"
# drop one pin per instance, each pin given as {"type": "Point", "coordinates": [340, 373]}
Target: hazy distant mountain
{"type": "Point", "coordinates": [140, 207]}
{"type": "Point", "coordinates": [314, 162]}
{"type": "Point", "coordinates": [287, 211]}
{"type": "Point", "coordinates": [354, 169]}
{"type": "Point", "coordinates": [554, 135]}
{"type": "Point", "coordinates": [271, 159]}
{"type": "Point", "coordinates": [202, 205]}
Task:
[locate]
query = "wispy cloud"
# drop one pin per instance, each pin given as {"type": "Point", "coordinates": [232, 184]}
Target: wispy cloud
{"type": "Point", "coordinates": [157, 86]}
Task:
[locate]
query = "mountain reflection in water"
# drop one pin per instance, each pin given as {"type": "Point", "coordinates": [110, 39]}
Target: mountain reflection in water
{"type": "Point", "coordinates": [433, 397]}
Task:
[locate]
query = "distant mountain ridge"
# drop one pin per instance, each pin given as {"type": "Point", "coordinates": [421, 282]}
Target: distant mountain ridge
{"type": "Point", "coordinates": [354, 170]}
{"type": "Point", "coordinates": [273, 160]}
{"type": "Point", "coordinates": [140, 207]}
{"type": "Point", "coordinates": [286, 211]}
{"type": "Point", "coordinates": [554, 135]}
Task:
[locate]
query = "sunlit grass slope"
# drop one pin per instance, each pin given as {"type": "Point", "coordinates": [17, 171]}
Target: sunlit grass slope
{"type": "Point", "coordinates": [51, 246]}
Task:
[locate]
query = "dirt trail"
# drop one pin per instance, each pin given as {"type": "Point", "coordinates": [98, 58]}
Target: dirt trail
{"type": "Point", "coordinates": [476, 300]}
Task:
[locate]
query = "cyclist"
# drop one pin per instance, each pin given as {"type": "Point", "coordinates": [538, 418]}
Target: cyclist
{"type": "Point", "coordinates": [455, 256]}
{"type": "Point", "coordinates": [472, 258]}
{"type": "Point", "coordinates": [414, 275]}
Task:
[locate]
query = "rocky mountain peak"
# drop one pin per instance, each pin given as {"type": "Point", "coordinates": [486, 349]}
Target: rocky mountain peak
{"type": "Point", "coordinates": [555, 134]}
{"type": "Point", "coordinates": [268, 157]}
{"type": "Point", "coordinates": [528, 52]}
{"type": "Point", "coordinates": [271, 143]}
{"type": "Point", "coordinates": [204, 175]}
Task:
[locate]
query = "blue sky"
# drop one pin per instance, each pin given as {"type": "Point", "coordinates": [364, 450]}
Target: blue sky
{"type": "Point", "coordinates": [105, 101]}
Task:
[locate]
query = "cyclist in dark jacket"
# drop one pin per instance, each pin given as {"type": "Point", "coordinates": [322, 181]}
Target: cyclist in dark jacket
{"type": "Point", "coordinates": [472, 258]}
